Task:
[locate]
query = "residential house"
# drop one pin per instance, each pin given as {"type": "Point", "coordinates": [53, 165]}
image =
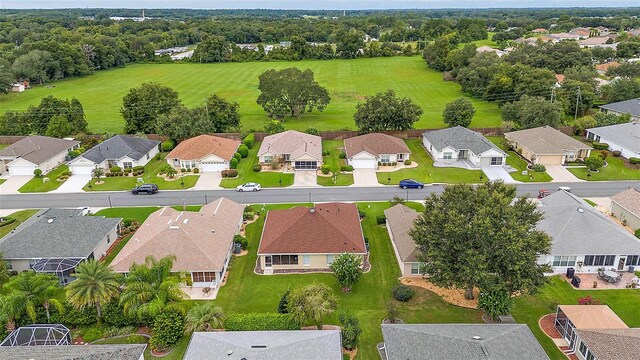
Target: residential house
{"type": "Point", "coordinates": [482, 49]}
{"type": "Point", "coordinates": [307, 239]}
{"type": "Point", "coordinates": [547, 146]}
{"type": "Point", "coordinates": [559, 80]}
{"type": "Point", "coordinates": [600, 41]}
{"type": "Point", "coordinates": [204, 152]}
{"type": "Point", "coordinates": [603, 68]}
{"type": "Point", "coordinates": [123, 151]}
{"type": "Point", "coordinates": [631, 107]}
{"type": "Point", "coordinates": [296, 149]}
{"type": "Point", "coordinates": [634, 32]}
{"type": "Point", "coordinates": [74, 352]}
{"type": "Point", "coordinates": [35, 152]}
{"type": "Point", "coordinates": [367, 151]}
{"type": "Point", "coordinates": [622, 137]}
{"type": "Point", "coordinates": [603, 31]}
{"type": "Point", "coordinates": [582, 32]}
{"type": "Point", "coordinates": [400, 219]}
{"type": "Point", "coordinates": [584, 238]}
{"type": "Point", "coordinates": [459, 341]}
{"type": "Point", "coordinates": [265, 345]}
{"type": "Point", "coordinates": [625, 206]}
{"type": "Point", "coordinates": [461, 144]}
{"type": "Point", "coordinates": [566, 36]}
{"type": "Point", "coordinates": [201, 241]}
{"type": "Point", "coordinates": [540, 31]}
{"type": "Point", "coordinates": [57, 240]}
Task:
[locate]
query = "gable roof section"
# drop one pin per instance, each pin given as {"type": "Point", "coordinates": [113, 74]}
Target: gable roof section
{"type": "Point", "coordinates": [330, 228]}
{"type": "Point", "coordinates": [545, 140]}
{"type": "Point", "coordinates": [375, 144]}
{"type": "Point", "coordinates": [266, 345]}
{"type": "Point", "coordinates": [627, 134]}
{"type": "Point", "coordinates": [57, 233]}
{"type": "Point", "coordinates": [460, 138]}
{"type": "Point", "coordinates": [631, 106]}
{"type": "Point", "coordinates": [456, 341]}
{"type": "Point", "coordinates": [577, 228]}
{"type": "Point", "coordinates": [199, 240]}
{"type": "Point", "coordinates": [628, 199]}
{"type": "Point", "coordinates": [74, 352]}
{"type": "Point", "coordinates": [592, 317]}
{"type": "Point", "coordinates": [37, 149]}
{"type": "Point", "coordinates": [120, 146]}
{"type": "Point", "coordinates": [292, 142]}
{"type": "Point", "coordinates": [201, 146]}
{"type": "Point", "coordinates": [612, 344]}
{"type": "Point", "coordinates": [400, 220]}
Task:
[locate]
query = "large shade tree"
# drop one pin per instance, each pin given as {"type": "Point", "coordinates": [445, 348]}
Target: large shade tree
{"type": "Point", "coordinates": [143, 105]}
{"type": "Point", "coordinates": [386, 111]}
{"type": "Point", "coordinates": [96, 284]}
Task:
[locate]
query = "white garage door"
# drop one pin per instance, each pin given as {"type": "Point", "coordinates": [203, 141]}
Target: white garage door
{"type": "Point", "coordinates": [21, 170]}
{"type": "Point", "coordinates": [214, 166]}
{"type": "Point", "coordinates": [363, 164]}
{"type": "Point", "coordinates": [82, 170]}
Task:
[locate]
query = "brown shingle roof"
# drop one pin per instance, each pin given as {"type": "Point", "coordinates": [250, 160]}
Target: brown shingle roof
{"type": "Point", "coordinates": [607, 66]}
{"type": "Point", "coordinates": [375, 144]}
{"type": "Point", "coordinates": [545, 140]}
{"type": "Point", "coordinates": [612, 344]}
{"type": "Point", "coordinates": [292, 142]}
{"type": "Point", "coordinates": [400, 220]}
{"type": "Point", "coordinates": [38, 149]}
{"type": "Point", "coordinates": [330, 228]}
{"type": "Point", "coordinates": [628, 199]}
{"type": "Point", "coordinates": [201, 146]}
{"type": "Point", "coordinates": [199, 240]}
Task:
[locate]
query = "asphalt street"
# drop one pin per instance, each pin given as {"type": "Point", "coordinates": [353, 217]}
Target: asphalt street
{"type": "Point", "coordinates": [283, 195]}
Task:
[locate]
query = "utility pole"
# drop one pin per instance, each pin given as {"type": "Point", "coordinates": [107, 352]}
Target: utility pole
{"type": "Point", "coordinates": [553, 94]}
{"type": "Point", "coordinates": [578, 96]}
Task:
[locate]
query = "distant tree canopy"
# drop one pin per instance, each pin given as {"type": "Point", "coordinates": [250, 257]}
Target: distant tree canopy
{"type": "Point", "coordinates": [386, 111]}
{"type": "Point", "coordinates": [212, 49]}
{"type": "Point", "coordinates": [142, 106]}
{"type": "Point", "coordinates": [532, 111]}
{"type": "Point", "coordinates": [68, 114]}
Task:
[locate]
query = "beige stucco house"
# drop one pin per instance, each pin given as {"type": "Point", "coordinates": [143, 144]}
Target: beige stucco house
{"type": "Point", "coordinates": [400, 219]}
{"type": "Point", "coordinates": [547, 146]}
{"type": "Point", "coordinates": [626, 207]}
{"type": "Point", "coordinates": [369, 150]}
{"type": "Point", "coordinates": [204, 152]}
{"type": "Point", "coordinates": [299, 150]}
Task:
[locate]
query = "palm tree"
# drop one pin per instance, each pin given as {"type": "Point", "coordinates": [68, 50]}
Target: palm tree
{"type": "Point", "coordinates": [4, 270]}
{"type": "Point", "coordinates": [152, 287]}
{"type": "Point", "coordinates": [29, 290]}
{"type": "Point", "coordinates": [96, 284]}
{"type": "Point", "coordinates": [12, 307]}
{"type": "Point", "coordinates": [205, 317]}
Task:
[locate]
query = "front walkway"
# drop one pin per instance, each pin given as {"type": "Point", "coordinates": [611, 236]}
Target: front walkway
{"type": "Point", "coordinates": [305, 178]}
{"type": "Point", "coordinates": [559, 173]}
{"type": "Point", "coordinates": [208, 181]}
{"type": "Point", "coordinates": [365, 177]}
{"type": "Point", "coordinates": [14, 183]}
{"type": "Point", "coordinates": [74, 184]}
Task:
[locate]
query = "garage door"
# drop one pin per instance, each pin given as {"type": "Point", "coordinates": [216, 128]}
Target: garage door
{"type": "Point", "coordinates": [363, 164]}
{"type": "Point", "coordinates": [82, 170]}
{"type": "Point", "coordinates": [306, 165]}
{"type": "Point", "coordinates": [21, 170]}
{"type": "Point", "coordinates": [214, 166]}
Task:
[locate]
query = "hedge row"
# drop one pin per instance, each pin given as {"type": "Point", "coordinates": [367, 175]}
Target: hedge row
{"type": "Point", "coordinates": [260, 322]}
{"type": "Point", "coordinates": [7, 221]}
{"type": "Point", "coordinates": [634, 160]}
{"type": "Point", "coordinates": [600, 146]}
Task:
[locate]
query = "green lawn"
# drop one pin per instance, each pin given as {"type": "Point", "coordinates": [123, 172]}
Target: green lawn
{"type": "Point", "coordinates": [426, 172]}
{"type": "Point", "coordinates": [20, 216]}
{"type": "Point", "coordinates": [39, 185]}
{"type": "Point", "coordinates": [616, 170]}
{"type": "Point", "coordinates": [150, 176]}
{"type": "Point", "coordinates": [334, 161]}
{"type": "Point", "coordinates": [264, 178]}
{"type": "Point", "coordinates": [514, 160]}
{"type": "Point", "coordinates": [2, 180]}
{"type": "Point", "coordinates": [348, 82]}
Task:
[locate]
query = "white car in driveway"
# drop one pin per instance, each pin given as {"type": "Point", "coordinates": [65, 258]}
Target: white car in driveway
{"type": "Point", "coordinates": [249, 187]}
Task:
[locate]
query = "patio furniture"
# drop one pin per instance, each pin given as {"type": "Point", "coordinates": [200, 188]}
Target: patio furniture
{"type": "Point", "coordinates": [206, 291]}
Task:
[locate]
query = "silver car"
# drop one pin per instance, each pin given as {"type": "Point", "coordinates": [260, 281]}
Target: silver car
{"type": "Point", "coordinates": [249, 187]}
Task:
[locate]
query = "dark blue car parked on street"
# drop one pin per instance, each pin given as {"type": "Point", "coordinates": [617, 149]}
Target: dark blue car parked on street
{"type": "Point", "coordinates": [411, 184]}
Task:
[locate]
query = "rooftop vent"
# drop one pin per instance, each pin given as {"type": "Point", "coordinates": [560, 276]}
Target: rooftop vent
{"type": "Point", "coordinates": [174, 227]}
{"type": "Point", "coordinates": [476, 337]}
{"type": "Point", "coordinates": [49, 221]}
{"type": "Point", "coordinates": [185, 221]}
{"type": "Point", "coordinates": [213, 231]}
{"type": "Point", "coordinates": [312, 210]}
{"type": "Point", "coordinates": [229, 352]}
{"type": "Point", "coordinates": [580, 210]}
{"type": "Point", "coordinates": [258, 346]}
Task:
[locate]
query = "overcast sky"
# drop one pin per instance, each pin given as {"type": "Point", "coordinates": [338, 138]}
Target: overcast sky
{"type": "Point", "coordinates": [308, 4]}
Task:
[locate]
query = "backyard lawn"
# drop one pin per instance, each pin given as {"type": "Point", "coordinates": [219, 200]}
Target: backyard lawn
{"type": "Point", "coordinates": [427, 173]}
{"type": "Point", "coordinates": [264, 178]}
{"type": "Point", "coordinates": [20, 217]}
{"type": "Point", "coordinates": [39, 185]}
{"type": "Point", "coordinates": [615, 170]}
{"type": "Point", "coordinates": [515, 161]}
{"type": "Point", "coordinates": [334, 161]}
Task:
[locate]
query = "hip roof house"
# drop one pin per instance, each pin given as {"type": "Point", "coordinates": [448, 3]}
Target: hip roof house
{"type": "Point", "coordinates": [35, 152]}
{"type": "Point", "coordinates": [299, 150]}
{"type": "Point", "coordinates": [366, 151]}
{"type": "Point", "coordinates": [631, 107]}
{"type": "Point", "coordinates": [622, 137]}
{"type": "Point", "coordinates": [463, 145]}
{"type": "Point", "coordinates": [204, 152]}
{"type": "Point", "coordinates": [547, 146]}
{"type": "Point", "coordinates": [123, 151]}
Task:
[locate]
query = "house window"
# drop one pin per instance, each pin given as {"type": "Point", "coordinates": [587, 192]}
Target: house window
{"type": "Point", "coordinates": [268, 159]}
{"type": "Point", "coordinates": [590, 356]}
{"type": "Point", "coordinates": [633, 260]}
{"type": "Point", "coordinates": [329, 259]}
{"type": "Point", "coordinates": [187, 164]}
{"type": "Point", "coordinates": [206, 276]}
{"type": "Point", "coordinates": [400, 157]}
{"type": "Point", "coordinates": [496, 160]}
{"type": "Point", "coordinates": [385, 158]}
{"type": "Point", "coordinates": [108, 239]}
{"type": "Point", "coordinates": [599, 260]}
{"type": "Point", "coordinates": [285, 259]}
{"type": "Point", "coordinates": [285, 157]}
{"type": "Point", "coordinates": [306, 260]}
{"type": "Point", "coordinates": [583, 349]}
{"type": "Point", "coordinates": [415, 269]}
{"type": "Point", "coordinates": [147, 156]}
{"type": "Point", "coordinates": [127, 165]}
{"type": "Point", "coordinates": [564, 261]}
{"type": "Point", "coordinates": [447, 155]}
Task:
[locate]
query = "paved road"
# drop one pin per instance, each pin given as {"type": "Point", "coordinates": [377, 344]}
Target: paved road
{"type": "Point", "coordinates": [285, 195]}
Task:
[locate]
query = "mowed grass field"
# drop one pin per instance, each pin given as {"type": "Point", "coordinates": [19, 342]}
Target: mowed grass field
{"type": "Point", "coordinates": [348, 82]}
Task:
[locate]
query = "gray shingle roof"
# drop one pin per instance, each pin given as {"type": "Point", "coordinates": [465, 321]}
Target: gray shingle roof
{"type": "Point", "coordinates": [38, 149]}
{"type": "Point", "coordinates": [626, 107]}
{"type": "Point", "coordinates": [57, 233]}
{"type": "Point", "coordinates": [627, 135]}
{"type": "Point", "coordinates": [265, 345]}
{"type": "Point", "coordinates": [456, 341]}
{"type": "Point", "coordinates": [577, 228]}
{"type": "Point", "coordinates": [73, 352]}
{"type": "Point", "coordinates": [120, 146]}
{"type": "Point", "coordinates": [460, 138]}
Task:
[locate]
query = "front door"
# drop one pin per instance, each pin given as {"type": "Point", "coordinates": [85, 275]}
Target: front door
{"type": "Point", "coordinates": [621, 263]}
{"type": "Point", "coordinates": [267, 261]}
{"type": "Point", "coordinates": [462, 154]}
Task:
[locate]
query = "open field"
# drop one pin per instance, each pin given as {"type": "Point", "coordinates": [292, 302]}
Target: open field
{"type": "Point", "coordinates": [348, 82]}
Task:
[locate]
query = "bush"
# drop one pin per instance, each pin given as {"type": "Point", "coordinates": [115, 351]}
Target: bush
{"type": "Point", "coordinates": [346, 168]}
{"type": "Point", "coordinates": [381, 219]}
{"type": "Point", "coordinates": [325, 169]}
{"type": "Point", "coordinates": [37, 172]}
{"type": "Point", "coordinates": [115, 169]}
{"type": "Point", "coordinates": [167, 330]}
{"type": "Point", "coordinates": [538, 168]}
{"type": "Point", "coordinates": [634, 160]}
{"type": "Point", "coordinates": [260, 322]}
{"type": "Point", "coordinates": [343, 155]}
{"type": "Point", "coordinates": [141, 168]}
{"type": "Point", "coordinates": [638, 233]}
{"type": "Point", "coordinates": [312, 131]}
{"type": "Point", "coordinates": [403, 293]}
{"type": "Point", "coordinates": [114, 315]}
{"type": "Point", "coordinates": [92, 334]}
{"type": "Point", "coordinates": [168, 145]}
{"type": "Point", "coordinates": [394, 163]}
{"type": "Point", "coordinates": [616, 153]}
{"type": "Point", "coordinates": [248, 215]}
{"type": "Point", "coordinates": [257, 167]}
{"type": "Point", "coordinates": [604, 154]}
{"type": "Point", "coordinates": [284, 303]}
{"type": "Point", "coordinates": [196, 170]}
{"type": "Point", "coordinates": [325, 152]}
{"type": "Point", "coordinates": [231, 173]}
{"type": "Point", "coordinates": [600, 146]}
{"type": "Point", "coordinates": [239, 239]}
{"type": "Point", "coordinates": [249, 140]}
{"type": "Point", "coordinates": [233, 164]}
{"type": "Point", "coordinates": [594, 163]}
{"type": "Point", "coordinates": [237, 156]}
{"type": "Point", "coordinates": [126, 171]}
{"type": "Point", "coordinates": [407, 162]}
{"type": "Point", "coordinates": [350, 330]}
{"type": "Point", "coordinates": [7, 221]}
{"type": "Point", "coordinates": [588, 300]}
{"type": "Point", "coordinates": [495, 303]}
{"type": "Point", "coordinates": [73, 153]}
{"type": "Point", "coordinates": [158, 156]}
{"type": "Point", "coordinates": [243, 150]}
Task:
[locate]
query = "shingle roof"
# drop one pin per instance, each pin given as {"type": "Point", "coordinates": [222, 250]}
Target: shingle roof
{"type": "Point", "coordinates": [545, 140]}
{"type": "Point", "coordinates": [74, 352]}
{"type": "Point", "coordinates": [199, 240]}
{"type": "Point", "coordinates": [460, 138]}
{"type": "Point", "coordinates": [628, 199]}
{"type": "Point", "coordinates": [627, 134]}
{"type": "Point", "coordinates": [400, 220]}
{"type": "Point", "coordinates": [37, 149]}
{"type": "Point", "coordinates": [626, 107]}
{"type": "Point", "coordinates": [577, 228]}
{"type": "Point", "coordinates": [592, 317]}
{"type": "Point", "coordinates": [612, 344]}
{"type": "Point", "coordinates": [120, 146]}
{"type": "Point", "coordinates": [330, 228]}
{"type": "Point", "coordinates": [375, 144]}
{"type": "Point", "coordinates": [201, 146]}
{"type": "Point", "coordinates": [57, 233]}
{"type": "Point", "coordinates": [456, 341]}
{"type": "Point", "coordinates": [292, 142]}
{"type": "Point", "coordinates": [265, 345]}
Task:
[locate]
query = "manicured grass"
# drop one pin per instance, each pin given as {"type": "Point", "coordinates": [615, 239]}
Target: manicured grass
{"type": "Point", "coordinates": [348, 83]}
{"type": "Point", "coordinates": [334, 161]}
{"type": "Point", "coordinates": [264, 178]}
{"type": "Point", "coordinates": [39, 185]}
{"type": "Point", "coordinates": [150, 175]}
{"type": "Point", "coordinates": [20, 217]}
{"type": "Point", "coordinates": [426, 172]}
{"type": "Point", "coordinates": [615, 170]}
{"type": "Point", "coordinates": [514, 160]}
{"type": "Point", "coordinates": [2, 180]}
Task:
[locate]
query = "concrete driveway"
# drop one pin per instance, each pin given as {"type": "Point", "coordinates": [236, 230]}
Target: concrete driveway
{"type": "Point", "coordinates": [365, 177]}
{"type": "Point", "coordinates": [560, 173]}
{"type": "Point", "coordinates": [498, 173]}
{"type": "Point", "coordinates": [209, 180]}
{"type": "Point", "coordinates": [305, 178]}
{"type": "Point", "coordinates": [14, 183]}
{"type": "Point", "coordinates": [74, 184]}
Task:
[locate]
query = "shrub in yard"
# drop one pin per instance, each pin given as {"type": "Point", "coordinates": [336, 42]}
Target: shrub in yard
{"type": "Point", "coordinates": [233, 164]}
{"type": "Point", "coordinates": [73, 153]}
{"type": "Point", "coordinates": [243, 150]}
{"type": "Point", "coordinates": [128, 170]}
{"type": "Point", "coordinates": [114, 315]}
{"type": "Point", "coordinates": [403, 293]}
{"type": "Point", "coordinates": [634, 160]}
{"type": "Point", "coordinates": [616, 153]}
{"type": "Point", "coordinates": [594, 163]}
{"type": "Point", "coordinates": [158, 156]}
{"type": "Point", "coordinates": [538, 168]}
{"type": "Point", "coordinates": [325, 169]}
{"type": "Point", "coordinates": [7, 221]}
{"type": "Point", "coordinates": [407, 162]}
{"type": "Point", "coordinates": [347, 269]}
{"type": "Point", "coordinates": [196, 170]}
{"type": "Point", "coordinates": [588, 300]}
{"type": "Point", "coordinates": [325, 152]}
{"type": "Point", "coordinates": [115, 169]}
{"type": "Point", "coordinates": [600, 146]}
{"type": "Point", "coordinates": [249, 140]}
{"type": "Point", "coordinates": [394, 163]}
{"type": "Point", "coordinates": [37, 172]}
{"type": "Point", "coordinates": [381, 219]}
{"type": "Point", "coordinates": [230, 173]}
{"type": "Point", "coordinates": [141, 168]}
{"type": "Point", "coordinates": [638, 233]}
{"type": "Point", "coordinates": [284, 303]}
{"type": "Point", "coordinates": [379, 163]}
{"type": "Point", "coordinates": [495, 303]}
{"type": "Point", "coordinates": [346, 168]}
{"type": "Point", "coordinates": [168, 145]}
{"type": "Point", "coordinates": [350, 330]}
{"type": "Point", "coordinates": [604, 154]}
{"type": "Point", "coordinates": [237, 156]}
{"type": "Point", "coordinates": [312, 131]}
{"type": "Point", "coordinates": [342, 155]}
{"type": "Point", "coordinates": [167, 330]}
{"type": "Point", "coordinates": [260, 322]}
{"type": "Point", "coordinates": [257, 167]}
{"type": "Point", "coordinates": [248, 215]}
{"type": "Point", "coordinates": [239, 239]}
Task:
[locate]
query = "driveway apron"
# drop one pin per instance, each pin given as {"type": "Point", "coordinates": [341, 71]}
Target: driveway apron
{"type": "Point", "coordinates": [560, 174]}
{"type": "Point", "coordinates": [304, 178]}
{"type": "Point", "coordinates": [209, 181]}
{"type": "Point", "coordinates": [14, 183]}
{"type": "Point", "coordinates": [365, 177]}
{"type": "Point", "coordinates": [74, 184]}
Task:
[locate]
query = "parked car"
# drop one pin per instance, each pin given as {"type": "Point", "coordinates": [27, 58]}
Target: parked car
{"type": "Point", "coordinates": [148, 189]}
{"type": "Point", "coordinates": [411, 184]}
{"type": "Point", "coordinates": [249, 187]}
{"type": "Point", "coordinates": [543, 193]}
